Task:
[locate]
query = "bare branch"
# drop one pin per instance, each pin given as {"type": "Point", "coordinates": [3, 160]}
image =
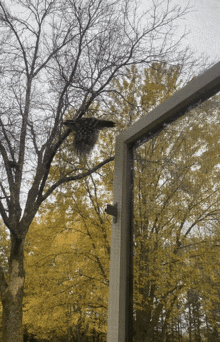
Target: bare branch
{"type": "Point", "coordinates": [75, 177]}
{"type": "Point", "coordinates": [9, 21]}
{"type": "Point", "coordinates": [59, 60]}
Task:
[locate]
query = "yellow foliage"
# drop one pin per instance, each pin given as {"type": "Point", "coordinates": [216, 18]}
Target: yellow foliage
{"type": "Point", "coordinates": [176, 220]}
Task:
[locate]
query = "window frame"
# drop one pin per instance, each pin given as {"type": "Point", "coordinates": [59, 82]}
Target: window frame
{"type": "Point", "coordinates": [121, 266]}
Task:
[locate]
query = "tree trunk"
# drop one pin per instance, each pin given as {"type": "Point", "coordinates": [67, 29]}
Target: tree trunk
{"type": "Point", "coordinates": [13, 295]}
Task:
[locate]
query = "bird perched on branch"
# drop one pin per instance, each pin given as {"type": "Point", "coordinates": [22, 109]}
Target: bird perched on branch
{"type": "Point", "coordinates": [86, 132]}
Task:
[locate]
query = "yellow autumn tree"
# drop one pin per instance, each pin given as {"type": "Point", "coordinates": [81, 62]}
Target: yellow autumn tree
{"type": "Point", "coordinates": [176, 204]}
{"type": "Point", "coordinates": [68, 249]}
{"type": "Point", "coordinates": [67, 262]}
{"type": "Point", "coordinates": [177, 200]}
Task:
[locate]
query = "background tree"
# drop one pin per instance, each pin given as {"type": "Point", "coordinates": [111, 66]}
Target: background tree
{"type": "Point", "coordinates": [176, 198]}
{"type": "Point", "coordinates": [67, 246]}
{"type": "Point", "coordinates": [59, 56]}
{"type": "Point", "coordinates": [67, 267]}
{"type": "Point", "coordinates": [176, 201]}
{"type": "Point", "coordinates": [77, 215]}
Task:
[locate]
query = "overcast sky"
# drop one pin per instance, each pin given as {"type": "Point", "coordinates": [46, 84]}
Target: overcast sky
{"type": "Point", "coordinates": [204, 24]}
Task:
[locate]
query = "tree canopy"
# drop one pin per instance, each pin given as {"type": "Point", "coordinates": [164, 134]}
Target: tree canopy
{"type": "Point", "coordinates": [57, 61]}
{"type": "Point", "coordinates": [176, 231]}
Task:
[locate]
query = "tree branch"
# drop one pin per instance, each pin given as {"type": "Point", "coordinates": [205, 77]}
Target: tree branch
{"type": "Point", "coordinates": [76, 177]}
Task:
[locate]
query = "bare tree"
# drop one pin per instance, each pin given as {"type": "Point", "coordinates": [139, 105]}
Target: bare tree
{"type": "Point", "coordinates": [59, 57]}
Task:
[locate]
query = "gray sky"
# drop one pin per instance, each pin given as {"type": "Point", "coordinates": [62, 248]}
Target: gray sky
{"type": "Point", "coordinates": [204, 24]}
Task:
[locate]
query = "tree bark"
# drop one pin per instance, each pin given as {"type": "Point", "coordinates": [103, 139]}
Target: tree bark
{"type": "Point", "coordinates": [12, 295]}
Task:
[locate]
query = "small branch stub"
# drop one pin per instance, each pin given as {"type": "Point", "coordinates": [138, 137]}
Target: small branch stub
{"type": "Point", "coordinates": [112, 210]}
